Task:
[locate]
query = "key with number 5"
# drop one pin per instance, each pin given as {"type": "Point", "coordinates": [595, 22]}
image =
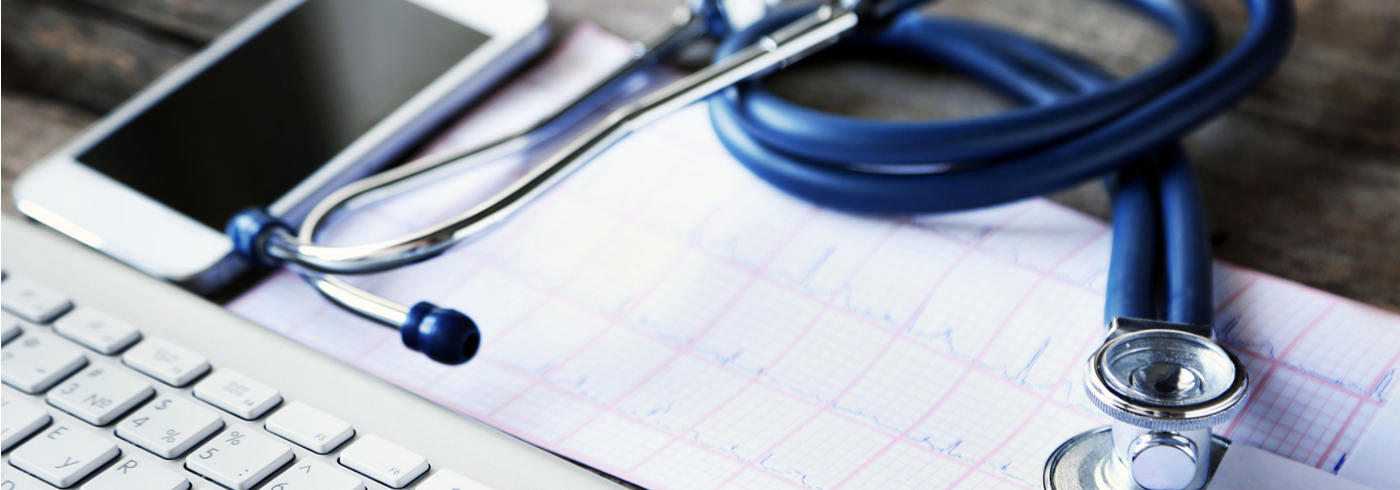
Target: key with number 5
{"type": "Point", "coordinates": [239, 458]}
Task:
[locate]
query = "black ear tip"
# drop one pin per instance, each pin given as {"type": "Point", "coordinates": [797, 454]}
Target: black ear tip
{"type": "Point", "coordinates": [444, 335]}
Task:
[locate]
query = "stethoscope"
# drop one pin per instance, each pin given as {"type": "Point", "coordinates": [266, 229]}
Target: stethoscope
{"type": "Point", "coordinates": [1160, 374]}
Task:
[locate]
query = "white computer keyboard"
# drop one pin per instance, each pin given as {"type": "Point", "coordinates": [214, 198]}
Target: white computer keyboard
{"type": "Point", "coordinates": [115, 381]}
{"type": "Point", "coordinates": [98, 378]}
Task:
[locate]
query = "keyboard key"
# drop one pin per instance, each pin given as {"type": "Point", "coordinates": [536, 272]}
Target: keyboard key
{"type": "Point", "coordinates": [97, 331]}
{"type": "Point", "coordinates": [33, 301]}
{"type": "Point", "coordinates": [239, 458]}
{"type": "Point", "coordinates": [20, 419]}
{"type": "Point", "coordinates": [383, 461]}
{"type": "Point", "coordinates": [169, 426]}
{"type": "Point", "coordinates": [313, 475]}
{"type": "Point", "coordinates": [100, 394]}
{"type": "Point", "coordinates": [32, 364]}
{"type": "Point", "coordinates": [310, 428]}
{"type": "Point", "coordinates": [134, 473]}
{"type": "Point", "coordinates": [63, 454]}
{"type": "Point", "coordinates": [12, 326]}
{"type": "Point", "coordinates": [167, 362]}
{"type": "Point", "coordinates": [237, 394]}
{"type": "Point", "coordinates": [13, 479]}
{"type": "Point", "coordinates": [447, 480]}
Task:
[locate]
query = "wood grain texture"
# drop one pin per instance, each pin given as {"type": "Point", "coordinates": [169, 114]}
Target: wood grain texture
{"type": "Point", "coordinates": [79, 55]}
{"type": "Point", "coordinates": [1303, 178]}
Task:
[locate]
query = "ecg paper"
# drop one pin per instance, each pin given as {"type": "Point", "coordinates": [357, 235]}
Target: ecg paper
{"type": "Point", "coordinates": [668, 318]}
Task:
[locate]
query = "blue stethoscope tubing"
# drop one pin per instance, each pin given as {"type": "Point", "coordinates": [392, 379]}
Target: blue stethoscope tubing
{"type": "Point", "coordinates": [1078, 124]}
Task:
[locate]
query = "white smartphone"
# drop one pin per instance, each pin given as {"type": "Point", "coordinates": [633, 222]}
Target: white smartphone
{"type": "Point", "coordinates": [301, 97]}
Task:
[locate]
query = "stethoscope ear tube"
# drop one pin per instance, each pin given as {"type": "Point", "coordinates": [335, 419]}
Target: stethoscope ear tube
{"type": "Point", "coordinates": [443, 334]}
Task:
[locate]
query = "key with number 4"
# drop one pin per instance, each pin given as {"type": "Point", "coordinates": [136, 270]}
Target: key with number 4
{"type": "Point", "coordinates": [169, 426]}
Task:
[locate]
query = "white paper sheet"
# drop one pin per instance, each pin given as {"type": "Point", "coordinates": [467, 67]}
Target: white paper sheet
{"type": "Point", "coordinates": [668, 318]}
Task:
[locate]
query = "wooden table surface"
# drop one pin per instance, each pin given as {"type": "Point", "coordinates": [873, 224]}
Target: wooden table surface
{"type": "Point", "coordinates": [1302, 179]}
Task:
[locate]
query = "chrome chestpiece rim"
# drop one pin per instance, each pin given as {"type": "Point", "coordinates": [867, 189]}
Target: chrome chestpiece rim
{"type": "Point", "coordinates": [1166, 380]}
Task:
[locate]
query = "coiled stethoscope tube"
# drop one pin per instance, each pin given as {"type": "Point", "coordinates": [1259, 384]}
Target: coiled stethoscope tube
{"type": "Point", "coordinates": [1078, 124]}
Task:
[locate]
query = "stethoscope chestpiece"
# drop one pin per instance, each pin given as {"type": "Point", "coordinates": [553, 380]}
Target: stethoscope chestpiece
{"type": "Point", "coordinates": [1166, 380]}
{"type": "Point", "coordinates": [1165, 385]}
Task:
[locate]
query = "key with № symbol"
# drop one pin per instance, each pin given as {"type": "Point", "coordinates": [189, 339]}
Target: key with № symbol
{"type": "Point", "coordinates": [136, 473]}
{"type": "Point", "coordinates": [239, 458]}
{"type": "Point", "coordinates": [63, 454]}
{"type": "Point", "coordinates": [33, 364]}
{"type": "Point", "coordinates": [314, 475]}
{"type": "Point", "coordinates": [169, 426]}
{"type": "Point", "coordinates": [100, 394]}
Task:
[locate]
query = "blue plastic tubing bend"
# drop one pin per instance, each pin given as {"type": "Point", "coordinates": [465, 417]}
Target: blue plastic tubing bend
{"type": "Point", "coordinates": [1077, 123]}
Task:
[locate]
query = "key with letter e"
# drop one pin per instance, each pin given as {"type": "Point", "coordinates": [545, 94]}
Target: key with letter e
{"type": "Point", "coordinates": [63, 454]}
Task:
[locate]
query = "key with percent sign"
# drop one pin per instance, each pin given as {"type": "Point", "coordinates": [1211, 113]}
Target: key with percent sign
{"type": "Point", "coordinates": [239, 458]}
{"type": "Point", "coordinates": [169, 427]}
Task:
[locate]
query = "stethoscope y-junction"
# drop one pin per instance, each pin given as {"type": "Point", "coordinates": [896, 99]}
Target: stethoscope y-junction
{"type": "Point", "coordinates": [1160, 374]}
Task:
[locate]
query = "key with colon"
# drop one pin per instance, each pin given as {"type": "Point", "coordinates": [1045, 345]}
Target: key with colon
{"type": "Point", "coordinates": [100, 394]}
{"type": "Point", "coordinates": [63, 454]}
{"type": "Point", "coordinates": [239, 458]}
{"type": "Point", "coordinates": [169, 426]}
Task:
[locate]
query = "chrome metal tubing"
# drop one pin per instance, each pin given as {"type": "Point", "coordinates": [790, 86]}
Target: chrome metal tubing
{"type": "Point", "coordinates": [356, 300]}
{"type": "Point", "coordinates": [809, 34]}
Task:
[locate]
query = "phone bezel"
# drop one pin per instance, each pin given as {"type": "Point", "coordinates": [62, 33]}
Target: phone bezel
{"type": "Point", "coordinates": [107, 215]}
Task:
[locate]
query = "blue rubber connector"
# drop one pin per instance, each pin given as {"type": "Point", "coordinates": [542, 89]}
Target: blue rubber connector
{"type": "Point", "coordinates": [248, 229]}
{"type": "Point", "coordinates": [444, 335]}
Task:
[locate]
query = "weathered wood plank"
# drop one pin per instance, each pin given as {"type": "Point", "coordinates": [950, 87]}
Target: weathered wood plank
{"type": "Point", "coordinates": [196, 20]}
{"type": "Point", "coordinates": [79, 56]}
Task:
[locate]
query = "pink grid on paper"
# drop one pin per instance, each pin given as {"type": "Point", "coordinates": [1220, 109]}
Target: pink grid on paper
{"type": "Point", "coordinates": [749, 340]}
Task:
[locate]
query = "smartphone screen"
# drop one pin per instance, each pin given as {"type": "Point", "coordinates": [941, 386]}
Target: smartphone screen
{"type": "Point", "coordinates": [268, 114]}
